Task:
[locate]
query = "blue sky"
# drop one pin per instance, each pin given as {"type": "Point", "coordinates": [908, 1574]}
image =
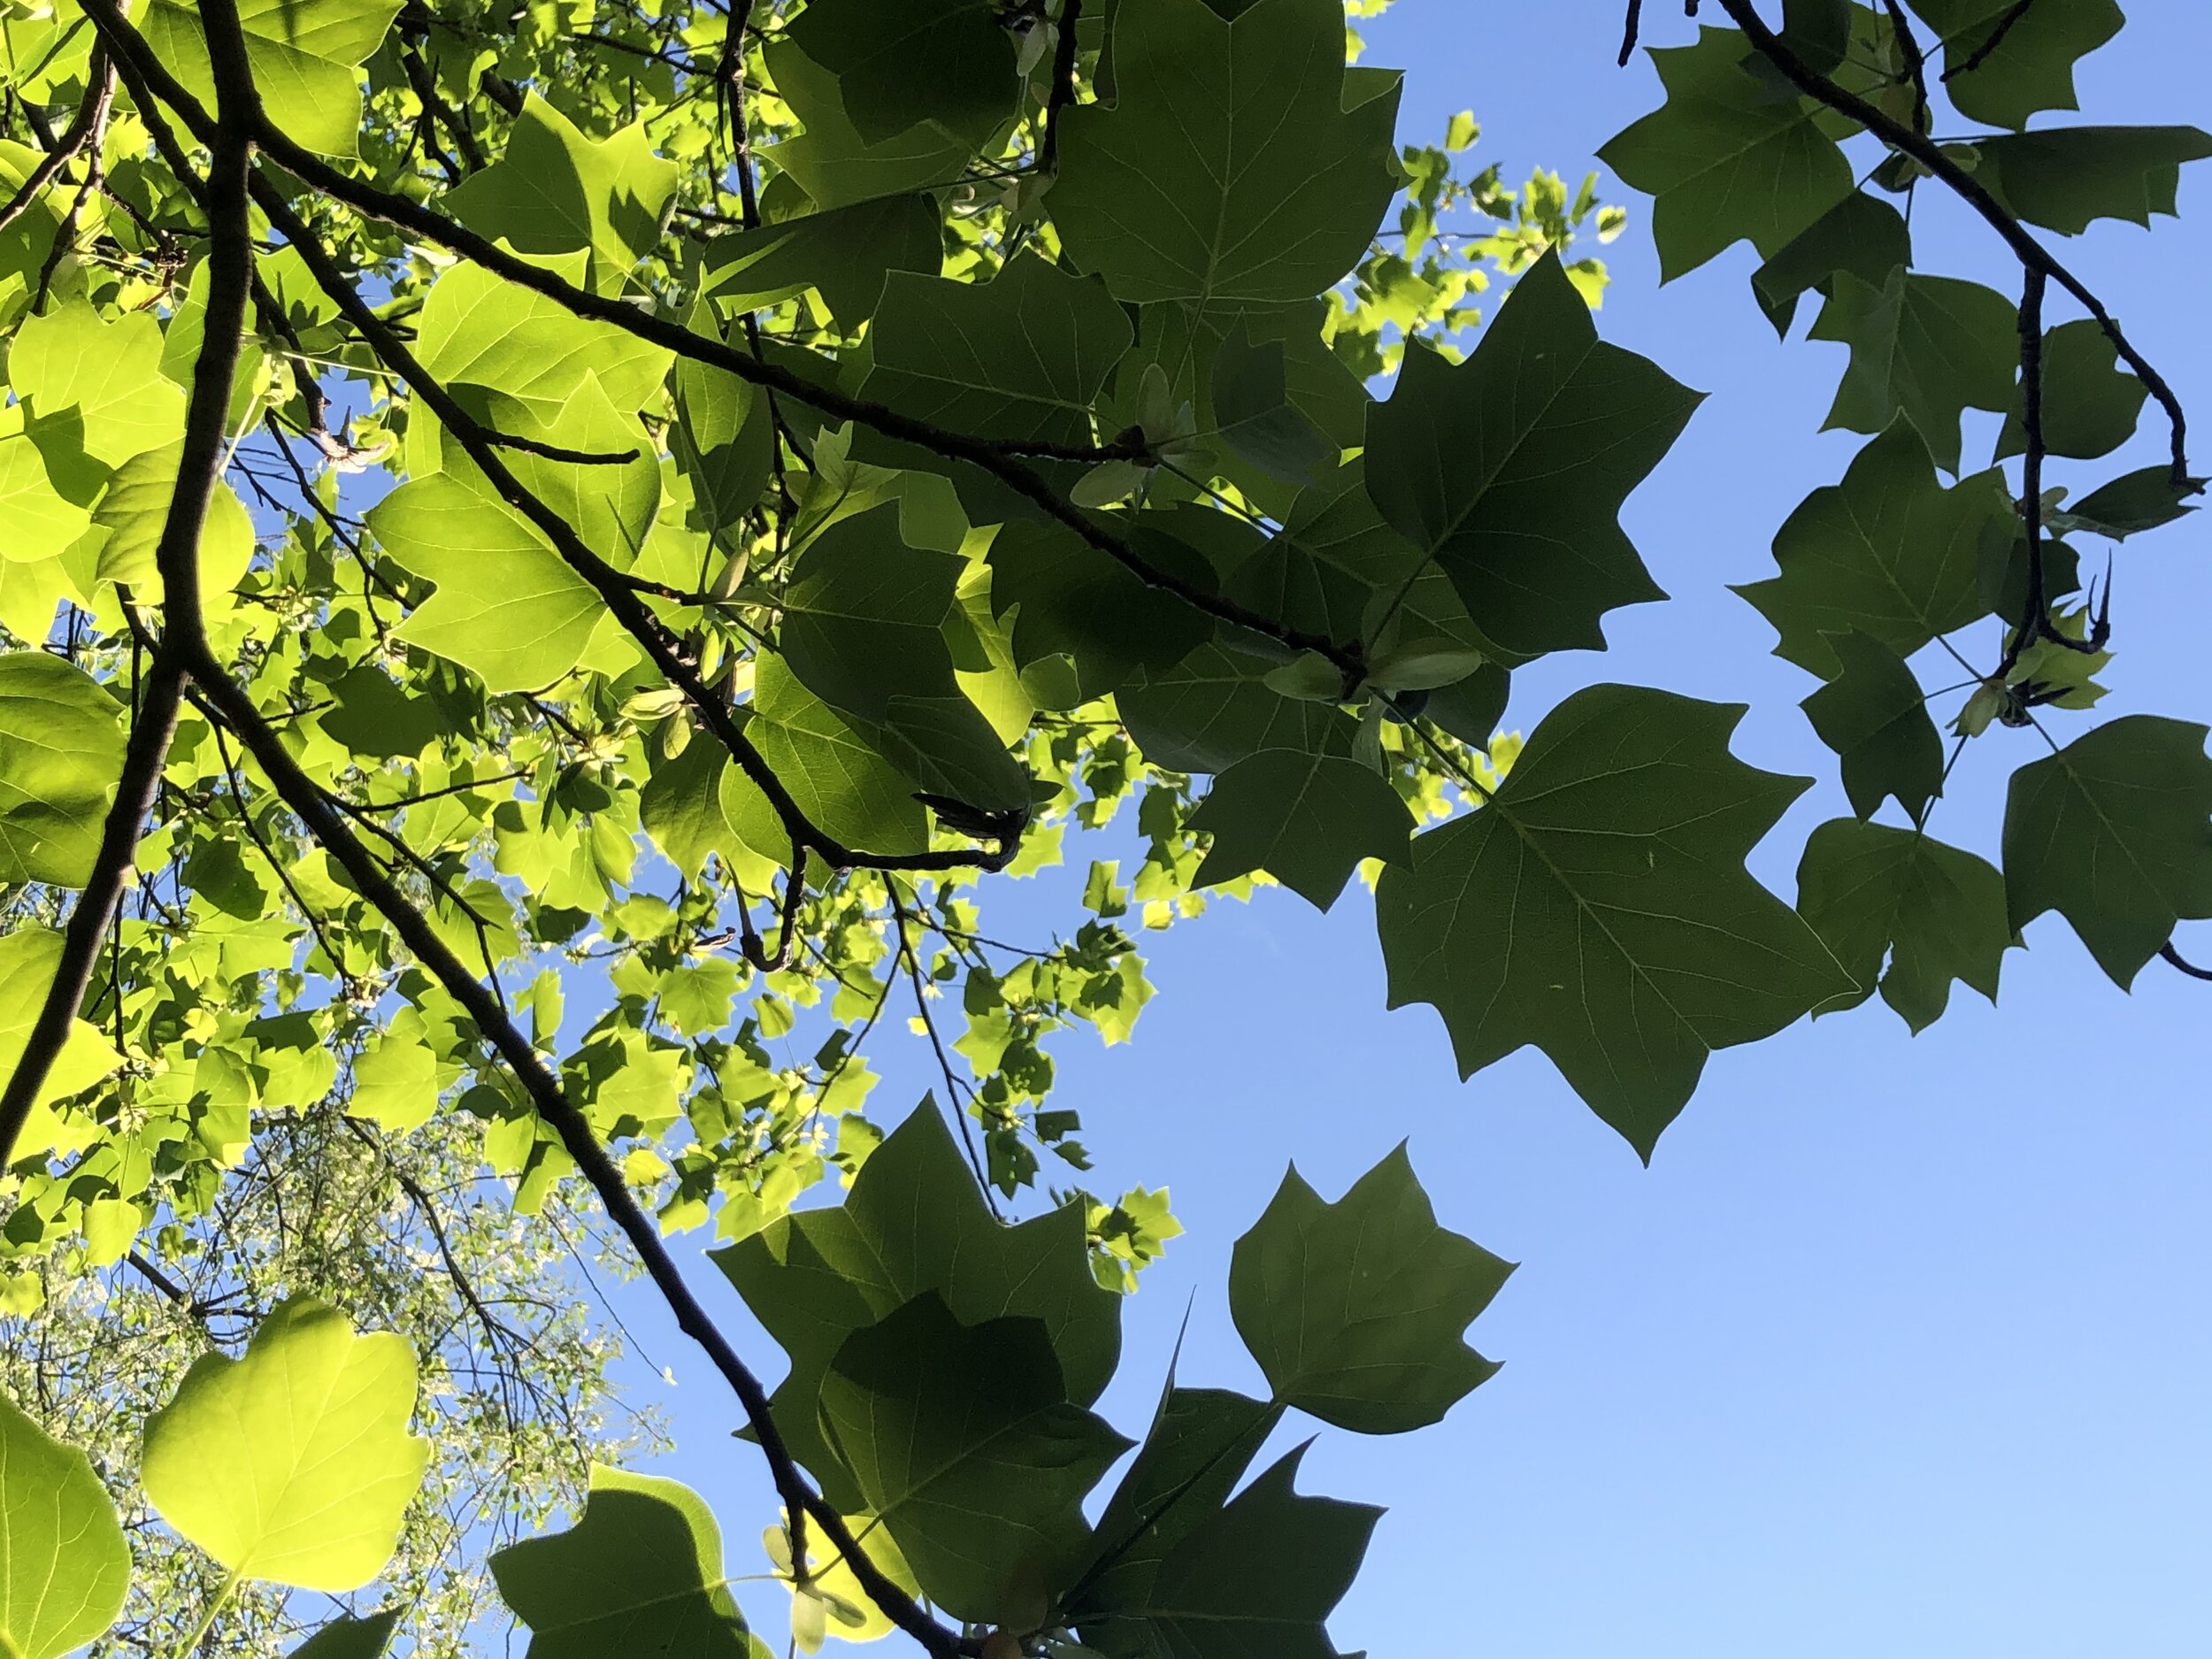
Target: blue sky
{"type": "Point", "coordinates": [1901, 1345]}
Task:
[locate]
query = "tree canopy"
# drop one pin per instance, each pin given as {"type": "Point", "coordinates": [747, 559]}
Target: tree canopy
{"type": "Point", "coordinates": [554, 558]}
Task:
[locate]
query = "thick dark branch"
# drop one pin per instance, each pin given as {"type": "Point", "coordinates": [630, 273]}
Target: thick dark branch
{"type": "Point", "coordinates": [1916, 61]}
{"type": "Point", "coordinates": [200, 465]}
{"type": "Point", "coordinates": [90, 114]}
{"type": "Point", "coordinates": [2034, 620]}
{"type": "Point", "coordinates": [1628, 35]}
{"type": "Point", "coordinates": [729, 99]}
{"type": "Point", "coordinates": [2174, 959]}
{"type": "Point", "coordinates": [2032, 253]}
{"type": "Point", "coordinates": [1063, 95]}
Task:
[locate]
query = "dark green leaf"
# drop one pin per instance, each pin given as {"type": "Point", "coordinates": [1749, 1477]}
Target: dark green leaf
{"type": "Point", "coordinates": [915, 1221]}
{"type": "Point", "coordinates": [2112, 833]}
{"type": "Point", "coordinates": [1598, 907]}
{"type": "Point", "coordinates": [1197, 1449]}
{"type": "Point", "coordinates": [1727, 158]}
{"type": "Point", "coordinates": [1255, 416]}
{"type": "Point", "coordinates": [1356, 1310]}
{"type": "Point", "coordinates": [1906, 912]}
{"type": "Point", "coordinates": [2142, 500]}
{"type": "Point", "coordinates": [2065, 177]}
{"type": "Point", "coordinates": [2032, 68]}
{"type": "Point", "coordinates": [845, 253]}
{"type": "Point", "coordinates": [1861, 234]}
{"type": "Point", "coordinates": [350, 1637]}
{"type": "Point", "coordinates": [2089, 408]}
{"type": "Point", "coordinates": [1023, 356]}
{"type": "Point", "coordinates": [1874, 715]}
{"type": "Point", "coordinates": [641, 1573]}
{"type": "Point", "coordinates": [1068, 598]}
{"type": "Point", "coordinates": [1926, 347]}
{"type": "Point", "coordinates": [1467, 463]}
{"type": "Point", "coordinates": [1258, 1577]}
{"type": "Point", "coordinates": [1215, 707]}
{"type": "Point", "coordinates": [1228, 169]}
{"type": "Point", "coordinates": [1307, 819]}
{"type": "Point", "coordinates": [1888, 551]}
{"type": "Point", "coordinates": [900, 63]}
{"type": "Point", "coordinates": [961, 1439]}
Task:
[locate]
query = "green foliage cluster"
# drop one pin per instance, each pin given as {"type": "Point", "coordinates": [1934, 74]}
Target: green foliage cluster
{"type": "Point", "coordinates": [661, 507]}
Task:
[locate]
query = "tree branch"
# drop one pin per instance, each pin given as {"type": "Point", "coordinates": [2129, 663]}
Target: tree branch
{"type": "Point", "coordinates": [66, 148]}
{"type": "Point", "coordinates": [1062, 96]}
{"type": "Point", "coordinates": [988, 455]}
{"type": "Point", "coordinates": [176, 556]}
{"type": "Point", "coordinates": [2030, 252]}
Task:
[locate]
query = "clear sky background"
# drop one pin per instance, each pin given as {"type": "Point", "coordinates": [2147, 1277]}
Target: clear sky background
{"type": "Point", "coordinates": [1901, 1346]}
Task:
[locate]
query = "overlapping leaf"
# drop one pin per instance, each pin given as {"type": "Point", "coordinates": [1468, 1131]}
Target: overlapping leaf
{"type": "Point", "coordinates": [1466, 464]}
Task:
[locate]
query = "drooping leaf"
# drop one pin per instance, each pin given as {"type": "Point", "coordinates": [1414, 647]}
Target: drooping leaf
{"type": "Point", "coordinates": [292, 1465]}
{"type": "Point", "coordinates": [1466, 463]}
{"type": "Point", "coordinates": [913, 1222]}
{"type": "Point", "coordinates": [2114, 833]}
{"type": "Point", "coordinates": [1726, 157]}
{"type": "Point", "coordinates": [1904, 912]}
{"type": "Point", "coordinates": [558, 190]}
{"type": "Point", "coordinates": [1598, 907]}
{"type": "Point", "coordinates": [1228, 169]}
{"type": "Point", "coordinates": [1888, 551]}
{"type": "Point", "coordinates": [302, 52]}
{"type": "Point", "coordinates": [1927, 348]}
{"type": "Point", "coordinates": [1258, 1576]}
{"type": "Point", "coordinates": [61, 752]}
{"type": "Point", "coordinates": [2030, 67]}
{"type": "Point", "coordinates": [1307, 819]}
{"type": "Point", "coordinates": [961, 1438]}
{"type": "Point", "coordinates": [641, 1573]}
{"type": "Point", "coordinates": [64, 1563]}
{"type": "Point", "coordinates": [1355, 1310]}
{"type": "Point", "coordinates": [1875, 716]}
{"type": "Point", "coordinates": [2064, 178]}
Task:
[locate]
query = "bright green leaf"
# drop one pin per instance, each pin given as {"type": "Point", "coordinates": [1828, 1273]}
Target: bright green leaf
{"type": "Point", "coordinates": [293, 1464]}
